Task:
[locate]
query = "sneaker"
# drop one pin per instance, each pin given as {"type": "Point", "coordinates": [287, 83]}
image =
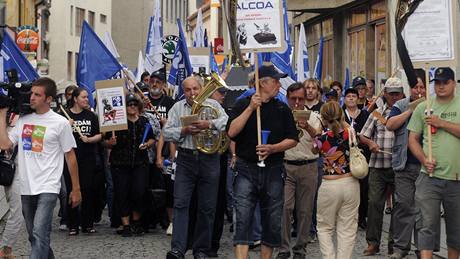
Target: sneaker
{"type": "Point", "coordinates": [127, 231]}
{"type": "Point", "coordinates": [63, 227]}
{"type": "Point", "coordinates": [169, 231]}
{"type": "Point", "coordinates": [255, 245]}
{"type": "Point", "coordinates": [283, 255]}
{"type": "Point", "coordinates": [388, 210]}
{"type": "Point", "coordinates": [138, 230]}
{"type": "Point", "coordinates": [299, 256]}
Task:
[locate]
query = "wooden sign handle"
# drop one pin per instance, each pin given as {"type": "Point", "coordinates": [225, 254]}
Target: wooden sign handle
{"type": "Point", "coordinates": [68, 117]}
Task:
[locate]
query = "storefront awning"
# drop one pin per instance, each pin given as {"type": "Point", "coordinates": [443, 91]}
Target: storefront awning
{"type": "Point", "coordinates": [315, 5]}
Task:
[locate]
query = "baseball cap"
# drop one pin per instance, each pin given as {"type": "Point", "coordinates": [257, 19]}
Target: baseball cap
{"type": "Point", "coordinates": [268, 70]}
{"type": "Point", "coordinates": [332, 93]}
{"type": "Point", "coordinates": [443, 74]}
{"type": "Point", "coordinates": [351, 91]}
{"type": "Point", "coordinates": [394, 85]}
{"type": "Point", "coordinates": [358, 81]}
{"type": "Point", "coordinates": [143, 86]}
{"type": "Point", "coordinates": [132, 98]}
{"type": "Point", "coordinates": [160, 74]}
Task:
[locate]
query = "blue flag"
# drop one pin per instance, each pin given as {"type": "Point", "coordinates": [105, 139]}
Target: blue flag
{"type": "Point", "coordinates": [282, 60]}
{"type": "Point", "coordinates": [319, 61]}
{"type": "Point", "coordinates": [224, 65]}
{"type": "Point", "coordinates": [181, 67]}
{"type": "Point", "coordinates": [95, 62]}
{"type": "Point", "coordinates": [14, 59]}
{"type": "Point", "coordinates": [212, 61]}
{"type": "Point", "coordinates": [347, 81]}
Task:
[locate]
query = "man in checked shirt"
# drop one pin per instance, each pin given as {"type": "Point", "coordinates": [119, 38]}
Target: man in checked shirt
{"type": "Point", "coordinates": [381, 175]}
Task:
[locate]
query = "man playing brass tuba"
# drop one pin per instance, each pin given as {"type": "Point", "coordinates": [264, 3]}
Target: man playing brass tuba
{"type": "Point", "coordinates": [195, 169]}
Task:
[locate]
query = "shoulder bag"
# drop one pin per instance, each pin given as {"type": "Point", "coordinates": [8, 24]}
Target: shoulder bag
{"type": "Point", "coordinates": [358, 164]}
{"type": "Point", "coordinates": [7, 168]}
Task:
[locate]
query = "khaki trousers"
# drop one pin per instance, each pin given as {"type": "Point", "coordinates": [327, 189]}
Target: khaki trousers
{"type": "Point", "coordinates": [338, 203]}
{"type": "Point", "coordinates": [299, 191]}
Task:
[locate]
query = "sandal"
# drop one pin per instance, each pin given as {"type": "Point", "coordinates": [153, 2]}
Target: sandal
{"type": "Point", "coordinates": [89, 230]}
{"type": "Point", "coordinates": [73, 232]}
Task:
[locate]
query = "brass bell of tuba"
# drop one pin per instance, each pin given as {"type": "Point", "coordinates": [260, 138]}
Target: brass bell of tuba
{"type": "Point", "coordinates": [208, 141]}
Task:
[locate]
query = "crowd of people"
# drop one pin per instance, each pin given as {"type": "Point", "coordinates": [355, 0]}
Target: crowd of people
{"type": "Point", "coordinates": [154, 173]}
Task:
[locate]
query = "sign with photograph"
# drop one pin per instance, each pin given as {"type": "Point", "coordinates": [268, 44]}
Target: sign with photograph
{"type": "Point", "coordinates": [259, 25]}
{"type": "Point", "coordinates": [429, 31]}
{"type": "Point", "coordinates": [111, 105]}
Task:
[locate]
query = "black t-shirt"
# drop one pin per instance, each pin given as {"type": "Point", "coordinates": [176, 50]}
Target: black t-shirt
{"type": "Point", "coordinates": [358, 124]}
{"type": "Point", "coordinates": [274, 116]}
{"type": "Point", "coordinates": [162, 105]}
{"type": "Point", "coordinates": [316, 108]}
{"type": "Point", "coordinates": [89, 126]}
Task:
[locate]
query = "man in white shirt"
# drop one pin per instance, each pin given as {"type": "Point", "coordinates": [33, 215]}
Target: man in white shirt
{"type": "Point", "coordinates": [44, 138]}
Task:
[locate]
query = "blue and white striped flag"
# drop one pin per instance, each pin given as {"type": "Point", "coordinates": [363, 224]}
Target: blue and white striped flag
{"type": "Point", "coordinates": [153, 49]}
{"type": "Point", "coordinates": [303, 69]}
{"type": "Point", "coordinates": [198, 35]}
{"type": "Point", "coordinates": [319, 61]}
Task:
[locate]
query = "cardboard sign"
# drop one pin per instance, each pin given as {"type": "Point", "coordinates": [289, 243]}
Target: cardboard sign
{"type": "Point", "coordinates": [111, 105]}
{"type": "Point", "coordinates": [260, 25]}
{"type": "Point", "coordinates": [199, 59]}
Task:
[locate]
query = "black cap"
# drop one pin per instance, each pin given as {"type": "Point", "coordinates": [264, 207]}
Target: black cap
{"type": "Point", "coordinates": [160, 74]}
{"type": "Point", "coordinates": [351, 91]}
{"type": "Point", "coordinates": [269, 70]}
{"type": "Point", "coordinates": [222, 90]}
{"type": "Point", "coordinates": [132, 98]}
{"type": "Point", "coordinates": [443, 74]}
{"type": "Point", "coordinates": [358, 81]}
{"type": "Point", "coordinates": [143, 86]}
{"type": "Point", "coordinates": [332, 93]}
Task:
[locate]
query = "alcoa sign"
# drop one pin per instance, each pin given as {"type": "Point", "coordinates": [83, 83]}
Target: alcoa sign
{"type": "Point", "coordinates": [254, 5]}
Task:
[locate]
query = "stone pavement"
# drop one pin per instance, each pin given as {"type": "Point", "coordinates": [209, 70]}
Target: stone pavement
{"type": "Point", "coordinates": [106, 244]}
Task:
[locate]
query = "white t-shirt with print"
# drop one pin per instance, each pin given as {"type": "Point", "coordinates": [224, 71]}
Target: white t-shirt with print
{"type": "Point", "coordinates": [42, 140]}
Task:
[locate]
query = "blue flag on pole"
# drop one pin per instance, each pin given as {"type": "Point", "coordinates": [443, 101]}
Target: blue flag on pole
{"type": "Point", "coordinates": [181, 67]}
{"type": "Point", "coordinates": [347, 81]}
{"type": "Point", "coordinates": [282, 60]}
{"type": "Point", "coordinates": [95, 62]}
{"type": "Point", "coordinates": [212, 61]}
{"type": "Point", "coordinates": [14, 59]}
{"type": "Point", "coordinates": [153, 48]}
{"type": "Point", "coordinates": [319, 61]}
{"type": "Point", "coordinates": [224, 65]}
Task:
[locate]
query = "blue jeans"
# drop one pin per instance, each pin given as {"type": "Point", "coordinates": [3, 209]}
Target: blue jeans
{"type": "Point", "coordinates": [258, 185]}
{"type": "Point", "coordinates": [200, 172]}
{"type": "Point", "coordinates": [38, 216]}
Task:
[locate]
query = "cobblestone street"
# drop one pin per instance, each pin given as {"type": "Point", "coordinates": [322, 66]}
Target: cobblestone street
{"type": "Point", "coordinates": [106, 244]}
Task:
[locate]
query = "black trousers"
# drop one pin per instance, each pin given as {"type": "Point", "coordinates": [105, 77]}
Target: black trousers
{"type": "Point", "coordinates": [82, 215]}
{"type": "Point", "coordinates": [129, 186]}
{"type": "Point", "coordinates": [221, 206]}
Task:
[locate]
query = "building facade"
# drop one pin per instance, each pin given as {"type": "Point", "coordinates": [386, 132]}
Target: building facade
{"type": "Point", "coordinates": [131, 37]}
{"type": "Point", "coordinates": [358, 35]}
{"type": "Point", "coordinates": [63, 36]}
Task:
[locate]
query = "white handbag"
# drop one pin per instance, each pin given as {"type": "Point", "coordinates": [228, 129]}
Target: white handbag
{"type": "Point", "coordinates": [359, 167]}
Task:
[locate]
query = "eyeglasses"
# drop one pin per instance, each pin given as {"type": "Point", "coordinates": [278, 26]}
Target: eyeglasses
{"type": "Point", "coordinates": [155, 81]}
{"type": "Point", "coordinates": [132, 104]}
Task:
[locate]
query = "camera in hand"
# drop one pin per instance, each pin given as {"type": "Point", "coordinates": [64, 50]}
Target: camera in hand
{"type": "Point", "coordinates": [18, 98]}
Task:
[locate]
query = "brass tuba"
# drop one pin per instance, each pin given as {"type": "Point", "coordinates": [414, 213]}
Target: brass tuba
{"type": "Point", "coordinates": [208, 141]}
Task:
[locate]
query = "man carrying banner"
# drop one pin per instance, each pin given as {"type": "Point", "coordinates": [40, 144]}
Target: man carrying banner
{"type": "Point", "coordinates": [444, 168]}
{"type": "Point", "coordinates": [44, 138]}
{"type": "Point", "coordinates": [255, 184]}
{"type": "Point", "coordinates": [195, 170]}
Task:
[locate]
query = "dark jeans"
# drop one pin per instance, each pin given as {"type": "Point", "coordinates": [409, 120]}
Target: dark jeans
{"type": "Point", "coordinates": [254, 184]}
{"type": "Point", "coordinates": [313, 229]}
{"type": "Point", "coordinates": [379, 181]}
{"type": "Point", "coordinates": [364, 192]}
{"type": "Point", "coordinates": [404, 208]}
{"type": "Point", "coordinates": [200, 171]}
{"type": "Point", "coordinates": [38, 215]}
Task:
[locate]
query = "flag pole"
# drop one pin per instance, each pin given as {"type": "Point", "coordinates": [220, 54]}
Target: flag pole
{"type": "Point", "coordinates": [428, 113]}
{"type": "Point", "coordinates": [259, 124]}
{"type": "Point", "coordinates": [68, 118]}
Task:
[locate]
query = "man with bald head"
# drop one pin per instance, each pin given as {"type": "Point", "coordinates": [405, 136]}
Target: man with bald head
{"type": "Point", "coordinates": [195, 170]}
